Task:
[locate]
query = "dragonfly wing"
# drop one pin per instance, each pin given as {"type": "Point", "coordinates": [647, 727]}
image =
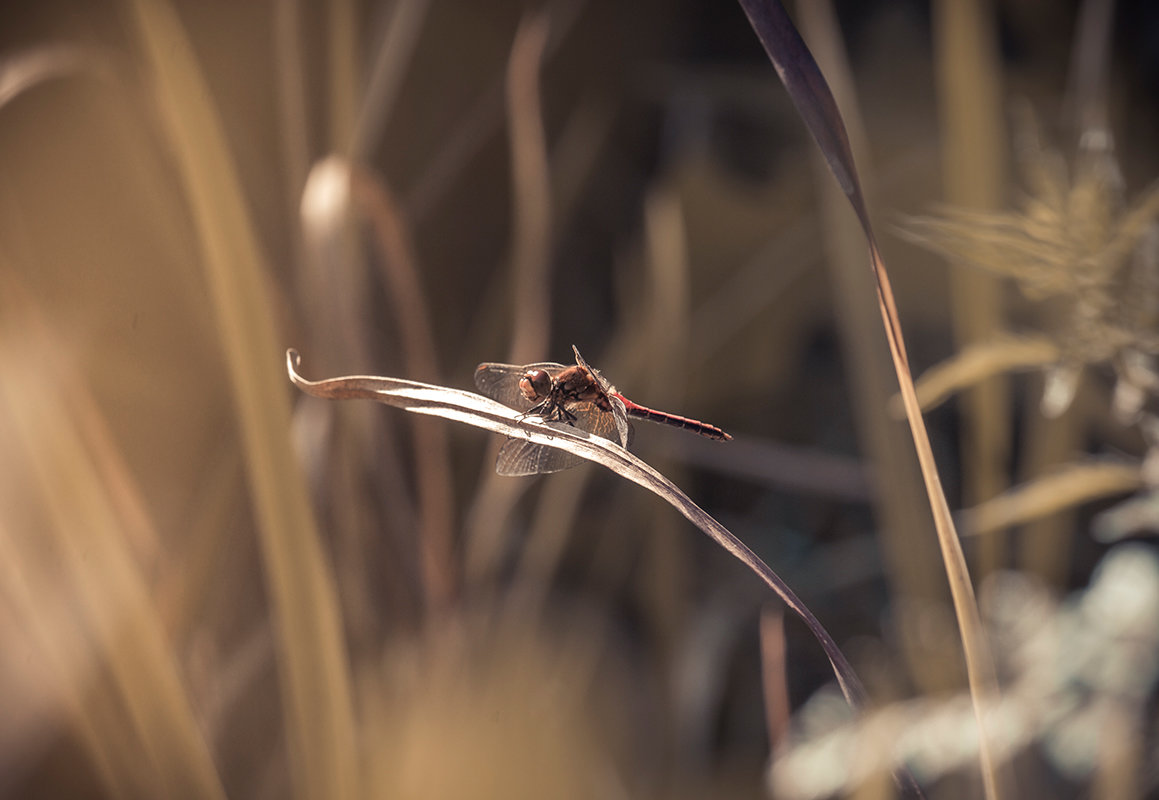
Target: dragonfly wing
{"type": "Point", "coordinates": [605, 424]}
{"type": "Point", "coordinates": [601, 381]}
{"type": "Point", "coordinates": [623, 430]}
{"type": "Point", "coordinates": [521, 457]}
{"type": "Point", "coordinates": [501, 382]}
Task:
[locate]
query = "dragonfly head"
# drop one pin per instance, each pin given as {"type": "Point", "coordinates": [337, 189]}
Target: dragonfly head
{"type": "Point", "coordinates": [535, 385]}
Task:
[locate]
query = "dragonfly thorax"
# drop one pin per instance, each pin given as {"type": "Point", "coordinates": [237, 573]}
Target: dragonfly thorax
{"type": "Point", "coordinates": [578, 385]}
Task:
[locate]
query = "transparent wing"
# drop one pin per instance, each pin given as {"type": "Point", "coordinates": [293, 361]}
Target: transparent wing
{"type": "Point", "coordinates": [500, 382]}
{"type": "Point", "coordinates": [620, 431]}
{"type": "Point", "coordinates": [605, 424]}
{"type": "Point", "coordinates": [601, 381]}
{"type": "Point", "coordinates": [521, 457]}
{"type": "Point", "coordinates": [619, 416]}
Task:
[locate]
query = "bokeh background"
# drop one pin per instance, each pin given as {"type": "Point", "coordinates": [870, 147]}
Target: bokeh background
{"type": "Point", "coordinates": [212, 585]}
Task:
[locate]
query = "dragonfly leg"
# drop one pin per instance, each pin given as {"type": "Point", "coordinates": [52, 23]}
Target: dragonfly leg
{"type": "Point", "coordinates": [550, 411]}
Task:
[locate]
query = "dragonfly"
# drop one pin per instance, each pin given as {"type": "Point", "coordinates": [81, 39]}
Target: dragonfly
{"type": "Point", "coordinates": [577, 395]}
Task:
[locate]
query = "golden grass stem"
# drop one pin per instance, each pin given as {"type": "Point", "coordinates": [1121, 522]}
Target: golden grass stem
{"type": "Point", "coordinates": [531, 189]}
{"type": "Point", "coordinates": [899, 504]}
{"type": "Point", "coordinates": [530, 305]}
{"type": "Point", "coordinates": [293, 116]}
{"type": "Point", "coordinates": [984, 692]}
{"type": "Point", "coordinates": [393, 54]}
{"type": "Point", "coordinates": [1047, 541]}
{"type": "Point", "coordinates": [974, 168]}
{"type": "Point", "coordinates": [814, 101]}
{"type": "Point", "coordinates": [344, 83]}
{"type": "Point", "coordinates": [95, 521]}
{"type": "Point", "coordinates": [431, 450]}
{"type": "Point", "coordinates": [320, 729]}
{"type": "Point", "coordinates": [979, 361]}
{"type": "Point", "coordinates": [1066, 488]}
{"type": "Point", "coordinates": [774, 677]}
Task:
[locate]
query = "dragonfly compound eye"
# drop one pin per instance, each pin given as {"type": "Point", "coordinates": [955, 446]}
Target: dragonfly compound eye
{"type": "Point", "coordinates": [535, 385]}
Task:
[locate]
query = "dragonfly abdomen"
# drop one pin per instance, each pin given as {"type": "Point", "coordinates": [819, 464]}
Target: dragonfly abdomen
{"type": "Point", "coordinates": [675, 420]}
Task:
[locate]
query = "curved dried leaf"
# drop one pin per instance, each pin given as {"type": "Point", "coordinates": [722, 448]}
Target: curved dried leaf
{"type": "Point", "coordinates": [977, 363]}
{"type": "Point", "coordinates": [482, 412]}
{"type": "Point", "coordinates": [1071, 486]}
{"type": "Point", "coordinates": [25, 70]}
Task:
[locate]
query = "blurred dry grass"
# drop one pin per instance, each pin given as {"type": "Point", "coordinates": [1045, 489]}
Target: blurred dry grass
{"type": "Point", "coordinates": [211, 586]}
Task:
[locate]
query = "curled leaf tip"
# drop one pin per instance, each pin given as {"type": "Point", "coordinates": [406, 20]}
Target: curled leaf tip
{"type": "Point", "coordinates": [293, 361]}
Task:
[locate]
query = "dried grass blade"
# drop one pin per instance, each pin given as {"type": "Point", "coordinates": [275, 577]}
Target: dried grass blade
{"type": "Point", "coordinates": [24, 70]}
{"type": "Point", "coordinates": [344, 78]}
{"type": "Point", "coordinates": [531, 182]}
{"type": "Point", "coordinates": [431, 451]}
{"type": "Point", "coordinates": [898, 502]}
{"type": "Point", "coordinates": [811, 96]}
{"type": "Point", "coordinates": [401, 31]}
{"type": "Point", "coordinates": [528, 282]}
{"type": "Point", "coordinates": [978, 362]}
{"type": "Point", "coordinates": [479, 123]}
{"type": "Point", "coordinates": [1087, 82]}
{"type": "Point", "coordinates": [318, 702]}
{"type": "Point", "coordinates": [1066, 488]}
{"type": "Point", "coordinates": [290, 96]}
{"type": "Point", "coordinates": [973, 166]}
{"type": "Point", "coordinates": [774, 678]}
{"type": "Point", "coordinates": [94, 520]}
